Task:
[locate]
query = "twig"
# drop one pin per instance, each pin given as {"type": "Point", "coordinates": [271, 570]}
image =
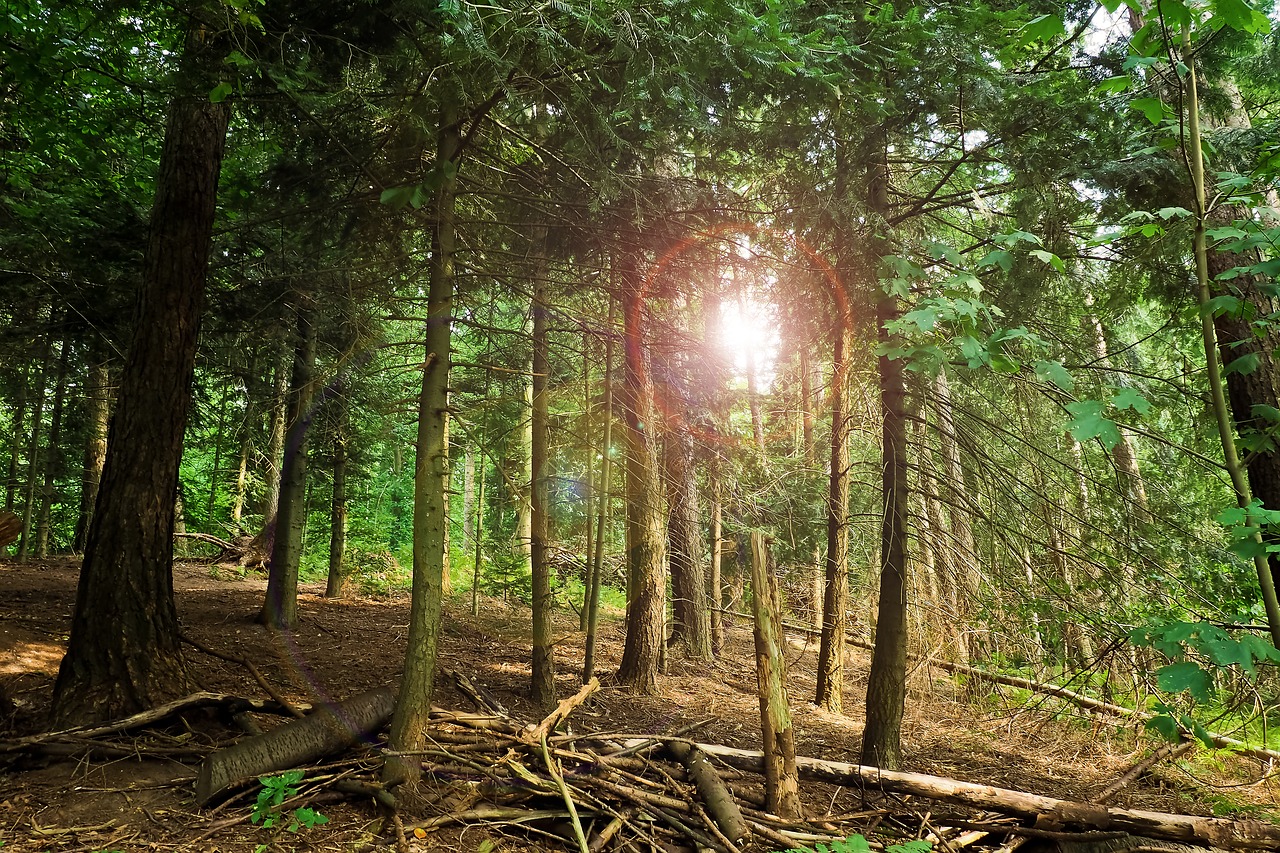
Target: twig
{"type": "Point", "coordinates": [564, 792]}
{"type": "Point", "coordinates": [295, 711]}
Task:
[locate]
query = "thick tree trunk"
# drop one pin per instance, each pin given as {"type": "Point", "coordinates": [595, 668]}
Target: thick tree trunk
{"type": "Point", "coordinates": [543, 669]}
{"type": "Point", "coordinates": [280, 606]}
{"type": "Point", "coordinates": [781, 785]}
{"type": "Point", "coordinates": [431, 474]}
{"type": "Point", "coordinates": [53, 459]}
{"type": "Point", "coordinates": [646, 567]}
{"type": "Point", "coordinates": [123, 654]}
{"type": "Point", "coordinates": [887, 682]}
{"type": "Point", "coordinates": [336, 586]}
{"type": "Point", "coordinates": [830, 692]}
{"type": "Point", "coordinates": [97, 410]}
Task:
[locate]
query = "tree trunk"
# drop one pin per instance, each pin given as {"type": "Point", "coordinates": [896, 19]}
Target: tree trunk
{"type": "Point", "coordinates": [53, 459]}
{"type": "Point", "coordinates": [95, 447]}
{"type": "Point", "coordinates": [715, 582]}
{"type": "Point", "coordinates": [33, 452]}
{"type": "Point", "coordinates": [280, 606]}
{"type": "Point", "coordinates": [781, 785]}
{"type": "Point", "coordinates": [602, 519]}
{"type": "Point", "coordinates": [217, 455]}
{"type": "Point", "coordinates": [691, 618]}
{"type": "Point", "coordinates": [543, 669]}
{"type": "Point", "coordinates": [285, 357]}
{"type": "Point", "coordinates": [123, 654]}
{"type": "Point", "coordinates": [15, 439]}
{"type": "Point", "coordinates": [887, 682]}
{"type": "Point", "coordinates": [830, 692]}
{"type": "Point", "coordinates": [246, 444]}
{"type": "Point", "coordinates": [468, 497]}
{"type": "Point", "coordinates": [431, 473]}
{"type": "Point", "coordinates": [337, 580]}
{"type": "Point", "coordinates": [967, 580]}
{"type": "Point", "coordinates": [646, 568]}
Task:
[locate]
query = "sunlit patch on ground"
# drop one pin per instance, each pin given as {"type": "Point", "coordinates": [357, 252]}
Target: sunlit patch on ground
{"type": "Point", "coordinates": [24, 657]}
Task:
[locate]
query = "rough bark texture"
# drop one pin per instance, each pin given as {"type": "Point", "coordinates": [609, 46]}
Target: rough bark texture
{"type": "Point", "coordinates": [279, 424]}
{"type": "Point", "coordinates": [647, 577]}
{"type": "Point", "coordinates": [830, 692]}
{"type": "Point", "coordinates": [715, 581]}
{"type": "Point", "coordinates": [124, 654]}
{"type": "Point", "coordinates": [15, 441]}
{"type": "Point", "coordinates": [280, 607]}
{"type": "Point", "coordinates": [327, 730]}
{"type": "Point", "coordinates": [602, 520]}
{"type": "Point", "coordinates": [543, 670]}
{"type": "Point", "coordinates": [431, 476]}
{"type": "Point", "coordinates": [781, 785]}
{"type": "Point", "coordinates": [691, 623]}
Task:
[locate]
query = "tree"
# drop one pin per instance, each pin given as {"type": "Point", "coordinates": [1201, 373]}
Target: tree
{"type": "Point", "coordinates": [123, 654]}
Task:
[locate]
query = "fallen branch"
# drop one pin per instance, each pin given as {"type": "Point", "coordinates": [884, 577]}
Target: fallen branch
{"type": "Point", "coordinates": [253, 671]}
{"type": "Point", "coordinates": [566, 706]}
{"type": "Point", "coordinates": [1048, 812]}
{"type": "Point", "coordinates": [227, 702]}
{"type": "Point", "coordinates": [720, 804]}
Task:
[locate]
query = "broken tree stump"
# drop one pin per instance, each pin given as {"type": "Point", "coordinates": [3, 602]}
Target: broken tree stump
{"type": "Point", "coordinates": [781, 785]}
{"type": "Point", "coordinates": [10, 528]}
{"type": "Point", "coordinates": [329, 729]}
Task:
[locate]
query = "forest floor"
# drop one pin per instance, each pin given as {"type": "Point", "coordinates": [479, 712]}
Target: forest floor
{"type": "Point", "coordinates": [344, 647]}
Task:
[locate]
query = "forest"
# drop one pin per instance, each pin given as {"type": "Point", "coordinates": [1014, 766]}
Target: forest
{"type": "Point", "coordinates": [703, 425]}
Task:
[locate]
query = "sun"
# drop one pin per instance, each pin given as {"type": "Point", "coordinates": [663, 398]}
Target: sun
{"type": "Point", "coordinates": [748, 335]}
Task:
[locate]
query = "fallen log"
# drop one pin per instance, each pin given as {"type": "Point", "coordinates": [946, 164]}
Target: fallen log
{"type": "Point", "coordinates": [720, 804]}
{"type": "Point", "coordinates": [329, 729]}
{"type": "Point", "coordinates": [1049, 813]}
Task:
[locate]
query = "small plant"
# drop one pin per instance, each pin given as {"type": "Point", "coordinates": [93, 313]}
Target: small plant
{"type": "Point", "coordinates": [276, 790]}
{"type": "Point", "coordinates": [858, 844]}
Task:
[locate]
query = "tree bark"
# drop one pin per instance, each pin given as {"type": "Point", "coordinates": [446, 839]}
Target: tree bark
{"type": "Point", "coordinates": [15, 439]}
{"type": "Point", "coordinates": [646, 568]}
{"type": "Point", "coordinates": [543, 668]}
{"type": "Point", "coordinates": [53, 458]}
{"type": "Point", "coordinates": [781, 785]}
{"type": "Point", "coordinates": [602, 519]}
{"type": "Point", "coordinates": [830, 691]}
{"type": "Point", "coordinates": [124, 654]}
{"type": "Point", "coordinates": [336, 586]}
{"type": "Point", "coordinates": [280, 606]}
{"type": "Point", "coordinates": [97, 410]}
{"type": "Point", "coordinates": [33, 451]}
{"type": "Point", "coordinates": [691, 621]}
{"type": "Point", "coordinates": [431, 472]}
{"type": "Point", "coordinates": [285, 356]}
{"type": "Point", "coordinates": [887, 682]}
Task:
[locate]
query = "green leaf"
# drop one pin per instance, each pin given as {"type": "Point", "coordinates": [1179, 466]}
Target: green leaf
{"type": "Point", "coordinates": [1115, 84]}
{"type": "Point", "coordinates": [1131, 399]}
{"type": "Point", "coordinates": [1237, 15]}
{"type": "Point", "coordinates": [1225, 305]}
{"type": "Point", "coordinates": [1051, 259]}
{"type": "Point", "coordinates": [999, 258]}
{"type": "Point", "coordinates": [1172, 212]}
{"type": "Point", "coordinates": [397, 197]}
{"type": "Point", "coordinates": [1204, 735]}
{"type": "Point", "coordinates": [1089, 423]}
{"type": "Point", "coordinates": [1053, 371]}
{"type": "Point", "coordinates": [1265, 413]}
{"type": "Point", "coordinates": [1244, 365]}
{"type": "Point", "coordinates": [1185, 675]}
{"type": "Point", "coordinates": [1152, 108]}
{"type": "Point", "coordinates": [923, 318]}
{"type": "Point", "coordinates": [1042, 28]}
{"type": "Point", "coordinates": [220, 92]}
{"type": "Point", "coordinates": [1165, 726]}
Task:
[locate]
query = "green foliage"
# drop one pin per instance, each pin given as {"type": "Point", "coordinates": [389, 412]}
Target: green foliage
{"type": "Point", "coordinates": [275, 791]}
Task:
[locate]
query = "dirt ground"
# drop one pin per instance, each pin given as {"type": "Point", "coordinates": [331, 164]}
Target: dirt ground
{"type": "Point", "coordinates": [344, 647]}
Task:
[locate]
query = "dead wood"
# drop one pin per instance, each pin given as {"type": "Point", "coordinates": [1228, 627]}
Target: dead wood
{"type": "Point", "coordinates": [224, 702]}
{"type": "Point", "coordinates": [294, 711]}
{"type": "Point", "coordinates": [329, 729]}
{"type": "Point", "coordinates": [1048, 812]}
{"type": "Point", "coordinates": [562, 710]}
{"type": "Point", "coordinates": [1168, 750]}
{"type": "Point", "coordinates": [10, 528]}
{"type": "Point", "coordinates": [720, 804]}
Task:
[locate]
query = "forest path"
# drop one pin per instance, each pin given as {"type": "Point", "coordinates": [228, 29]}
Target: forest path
{"type": "Point", "coordinates": [344, 647]}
